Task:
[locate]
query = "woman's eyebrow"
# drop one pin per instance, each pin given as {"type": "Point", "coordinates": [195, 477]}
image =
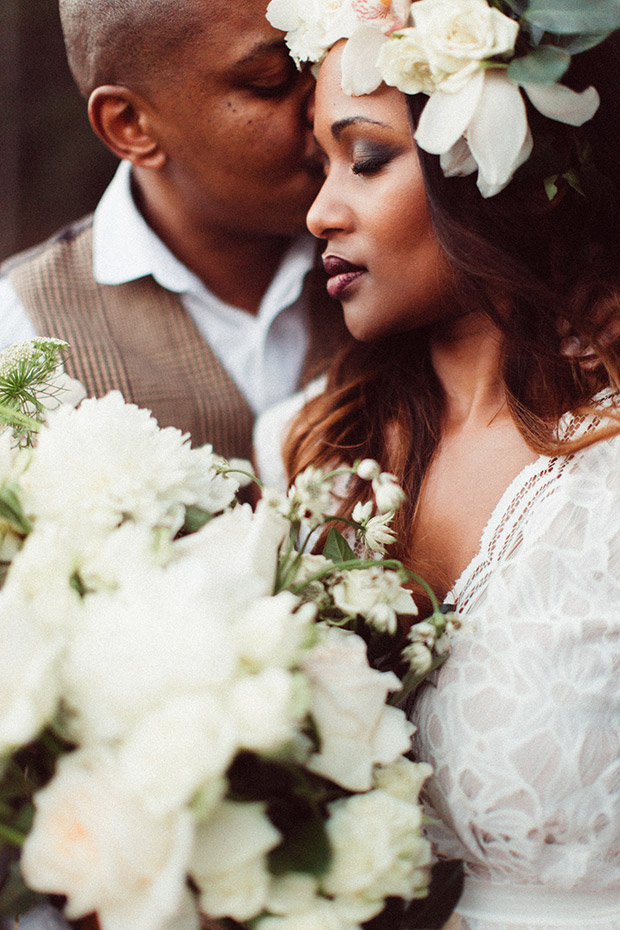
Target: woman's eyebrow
{"type": "Point", "coordinates": [340, 125]}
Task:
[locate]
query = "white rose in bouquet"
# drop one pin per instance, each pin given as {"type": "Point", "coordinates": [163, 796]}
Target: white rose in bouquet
{"type": "Point", "coordinates": [347, 701]}
{"type": "Point", "coordinates": [229, 862]}
{"type": "Point", "coordinates": [93, 841]}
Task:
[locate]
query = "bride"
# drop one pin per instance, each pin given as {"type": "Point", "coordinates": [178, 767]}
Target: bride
{"type": "Point", "coordinates": [453, 274]}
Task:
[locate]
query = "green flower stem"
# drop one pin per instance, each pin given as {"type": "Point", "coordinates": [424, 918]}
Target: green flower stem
{"type": "Point", "coordinates": [240, 471]}
{"type": "Point", "coordinates": [9, 835]}
{"type": "Point", "coordinates": [11, 415]}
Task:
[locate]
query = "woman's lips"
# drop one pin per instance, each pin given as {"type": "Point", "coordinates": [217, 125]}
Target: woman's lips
{"type": "Point", "coordinates": [341, 274]}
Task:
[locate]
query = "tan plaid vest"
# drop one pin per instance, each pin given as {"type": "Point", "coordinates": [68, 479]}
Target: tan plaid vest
{"type": "Point", "coordinates": [138, 338]}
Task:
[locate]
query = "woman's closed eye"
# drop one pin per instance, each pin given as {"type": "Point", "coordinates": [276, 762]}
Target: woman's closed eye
{"type": "Point", "coordinates": [371, 159]}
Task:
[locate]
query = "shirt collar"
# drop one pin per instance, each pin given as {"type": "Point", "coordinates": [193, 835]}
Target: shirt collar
{"type": "Point", "coordinates": [125, 248]}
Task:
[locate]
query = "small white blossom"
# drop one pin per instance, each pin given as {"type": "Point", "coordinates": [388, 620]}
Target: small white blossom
{"type": "Point", "coordinates": [311, 495]}
{"type": "Point", "coordinates": [419, 657]}
{"type": "Point", "coordinates": [388, 494]}
{"type": "Point", "coordinates": [368, 469]}
{"type": "Point", "coordinates": [374, 531]}
{"type": "Point", "coordinates": [376, 594]}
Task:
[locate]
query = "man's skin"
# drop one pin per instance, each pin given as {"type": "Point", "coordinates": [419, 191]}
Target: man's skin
{"type": "Point", "coordinates": [226, 170]}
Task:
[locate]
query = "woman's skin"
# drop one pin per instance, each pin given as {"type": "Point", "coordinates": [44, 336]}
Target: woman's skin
{"type": "Point", "coordinates": [373, 215]}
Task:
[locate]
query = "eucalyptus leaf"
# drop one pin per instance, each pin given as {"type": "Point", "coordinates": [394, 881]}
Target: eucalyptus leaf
{"type": "Point", "coordinates": [574, 17]}
{"type": "Point", "coordinates": [337, 548]}
{"type": "Point", "coordinates": [544, 65]}
{"type": "Point", "coordinates": [583, 43]}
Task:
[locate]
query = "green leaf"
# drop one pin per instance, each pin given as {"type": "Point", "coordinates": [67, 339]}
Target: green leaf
{"type": "Point", "coordinates": [15, 897]}
{"type": "Point", "coordinates": [305, 844]}
{"type": "Point", "coordinates": [583, 43]}
{"type": "Point", "coordinates": [551, 187]}
{"type": "Point", "coordinates": [195, 519]}
{"type": "Point", "coordinates": [544, 65]}
{"type": "Point", "coordinates": [11, 510]}
{"type": "Point", "coordinates": [574, 17]}
{"type": "Point", "coordinates": [337, 548]}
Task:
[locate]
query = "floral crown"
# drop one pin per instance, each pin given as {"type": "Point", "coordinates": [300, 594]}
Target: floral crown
{"type": "Point", "coordinates": [474, 59]}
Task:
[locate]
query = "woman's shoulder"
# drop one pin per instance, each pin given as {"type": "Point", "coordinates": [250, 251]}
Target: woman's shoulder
{"type": "Point", "coordinates": [270, 432]}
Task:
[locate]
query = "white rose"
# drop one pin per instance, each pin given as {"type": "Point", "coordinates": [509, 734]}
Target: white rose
{"type": "Point", "coordinates": [95, 843]}
{"type": "Point", "coordinates": [312, 26]}
{"type": "Point", "coordinates": [229, 862]}
{"type": "Point", "coordinates": [322, 915]}
{"type": "Point", "coordinates": [177, 750]}
{"type": "Point", "coordinates": [265, 710]}
{"type": "Point", "coordinates": [377, 847]}
{"type": "Point", "coordinates": [403, 63]}
{"type": "Point", "coordinates": [356, 728]}
{"type": "Point", "coordinates": [273, 631]}
{"type": "Point", "coordinates": [458, 36]}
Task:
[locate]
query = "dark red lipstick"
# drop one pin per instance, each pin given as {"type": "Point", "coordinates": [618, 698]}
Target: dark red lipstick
{"type": "Point", "coordinates": [341, 274]}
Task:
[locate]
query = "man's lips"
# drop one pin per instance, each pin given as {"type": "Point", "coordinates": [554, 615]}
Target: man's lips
{"type": "Point", "coordinates": [341, 274]}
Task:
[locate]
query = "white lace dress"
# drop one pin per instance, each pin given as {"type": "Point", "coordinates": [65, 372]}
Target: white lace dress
{"type": "Point", "coordinates": [522, 724]}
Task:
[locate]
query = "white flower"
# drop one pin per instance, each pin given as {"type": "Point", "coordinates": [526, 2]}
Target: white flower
{"type": "Point", "coordinates": [484, 125]}
{"type": "Point", "coordinates": [229, 862]}
{"type": "Point", "coordinates": [387, 14]}
{"type": "Point", "coordinates": [273, 631]}
{"type": "Point", "coordinates": [265, 709]}
{"type": "Point", "coordinates": [291, 893]}
{"type": "Point", "coordinates": [135, 650]}
{"type": "Point", "coordinates": [419, 657]}
{"type": "Point", "coordinates": [234, 557]}
{"type": "Point", "coordinates": [368, 469]}
{"type": "Point", "coordinates": [178, 749]}
{"type": "Point", "coordinates": [374, 531]}
{"type": "Point", "coordinates": [62, 390]}
{"type": "Point", "coordinates": [356, 728]}
{"type": "Point", "coordinates": [28, 670]}
{"type": "Point", "coordinates": [378, 848]}
{"type": "Point", "coordinates": [403, 779]}
{"type": "Point", "coordinates": [95, 843]}
{"type": "Point", "coordinates": [403, 63]}
{"type": "Point", "coordinates": [458, 37]}
{"type": "Point", "coordinates": [108, 461]}
{"type": "Point", "coordinates": [311, 495]}
{"type": "Point", "coordinates": [323, 914]}
{"type": "Point", "coordinates": [388, 494]}
{"type": "Point", "coordinates": [376, 594]}
{"type": "Point", "coordinates": [312, 26]}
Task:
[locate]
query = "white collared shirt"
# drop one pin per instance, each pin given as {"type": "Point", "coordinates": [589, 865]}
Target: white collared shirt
{"type": "Point", "coordinates": [264, 354]}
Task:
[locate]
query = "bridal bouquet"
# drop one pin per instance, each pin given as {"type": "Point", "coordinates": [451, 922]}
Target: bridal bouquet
{"type": "Point", "coordinates": [188, 719]}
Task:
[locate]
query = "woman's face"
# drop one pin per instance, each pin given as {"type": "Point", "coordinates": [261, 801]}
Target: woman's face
{"type": "Point", "coordinates": [382, 258]}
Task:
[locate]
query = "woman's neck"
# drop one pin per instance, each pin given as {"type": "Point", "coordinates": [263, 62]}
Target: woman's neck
{"type": "Point", "coordinates": [466, 359]}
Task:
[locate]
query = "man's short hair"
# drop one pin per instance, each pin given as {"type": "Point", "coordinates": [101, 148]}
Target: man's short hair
{"type": "Point", "coordinates": [130, 42]}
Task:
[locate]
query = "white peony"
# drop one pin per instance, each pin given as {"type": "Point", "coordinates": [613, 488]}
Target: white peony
{"type": "Point", "coordinates": [108, 461]}
{"type": "Point", "coordinates": [376, 594]}
{"type": "Point", "coordinates": [377, 847]}
{"type": "Point", "coordinates": [403, 779]}
{"type": "Point", "coordinates": [94, 842]}
{"type": "Point", "coordinates": [356, 728]}
{"type": "Point", "coordinates": [229, 862]}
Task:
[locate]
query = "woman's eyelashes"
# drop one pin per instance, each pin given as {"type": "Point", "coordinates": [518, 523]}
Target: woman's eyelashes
{"type": "Point", "coordinates": [370, 159]}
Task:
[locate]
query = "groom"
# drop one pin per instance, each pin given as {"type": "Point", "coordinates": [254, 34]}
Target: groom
{"type": "Point", "coordinates": [193, 289]}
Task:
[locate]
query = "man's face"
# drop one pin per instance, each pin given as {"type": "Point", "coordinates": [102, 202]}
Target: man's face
{"type": "Point", "coordinates": [235, 127]}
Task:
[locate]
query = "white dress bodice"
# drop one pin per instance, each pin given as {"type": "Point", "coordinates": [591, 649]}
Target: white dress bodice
{"type": "Point", "coordinates": [522, 724]}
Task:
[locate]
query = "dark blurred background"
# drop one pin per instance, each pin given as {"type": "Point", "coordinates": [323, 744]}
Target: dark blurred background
{"type": "Point", "coordinates": [52, 167]}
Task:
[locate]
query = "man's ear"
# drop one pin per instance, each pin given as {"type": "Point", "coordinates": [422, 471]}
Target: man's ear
{"type": "Point", "coordinates": [122, 121]}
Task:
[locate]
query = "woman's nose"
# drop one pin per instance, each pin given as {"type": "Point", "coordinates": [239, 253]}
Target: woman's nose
{"type": "Point", "coordinates": [327, 213]}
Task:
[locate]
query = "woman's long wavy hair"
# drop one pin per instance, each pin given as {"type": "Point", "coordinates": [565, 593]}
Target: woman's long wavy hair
{"type": "Point", "coordinates": [526, 261]}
